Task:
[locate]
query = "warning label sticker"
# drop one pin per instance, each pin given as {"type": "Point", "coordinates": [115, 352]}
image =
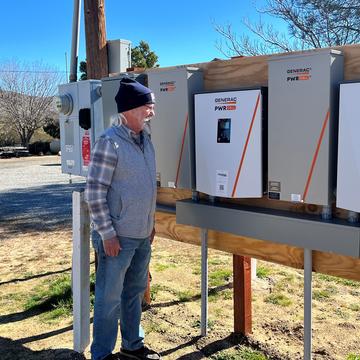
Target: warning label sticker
{"type": "Point", "coordinates": [85, 149]}
{"type": "Point", "coordinates": [222, 179]}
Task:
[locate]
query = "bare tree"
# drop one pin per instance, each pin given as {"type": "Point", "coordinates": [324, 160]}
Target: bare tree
{"type": "Point", "coordinates": [7, 136]}
{"type": "Point", "coordinates": [26, 96]}
{"type": "Point", "coordinates": [310, 23]}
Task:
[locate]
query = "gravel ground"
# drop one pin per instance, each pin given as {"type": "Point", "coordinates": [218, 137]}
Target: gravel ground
{"type": "Point", "coordinates": [33, 190]}
{"type": "Point", "coordinates": [29, 172]}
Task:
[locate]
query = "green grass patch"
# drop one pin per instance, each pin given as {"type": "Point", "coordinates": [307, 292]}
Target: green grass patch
{"type": "Point", "coordinates": [340, 281]}
{"type": "Point", "coordinates": [154, 290]}
{"type": "Point", "coordinates": [196, 271]}
{"type": "Point", "coordinates": [28, 274]}
{"type": "Point", "coordinates": [219, 277]}
{"type": "Point", "coordinates": [321, 295]}
{"type": "Point", "coordinates": [163, 267]}
{"type": "Point", "coordinates": [278, 299]}
{"type": "Point", "coordinates": [184, 296]}
{"type": "Point", "coordinates": [227, 294]}
{"type": "Point", "coordinates": [353, 357]}
{"type": "Point", "coordinates": [262, 272]}
{"type": "Point", "coordinates": [324, 294]}
{"type": "Point", "coordinates": [216, 262]}
{"type": "Point", "coordinates": [214, 296]}
{"type": "Point", "coordinates": [47, 297]}
{"type": "Point", "coordinates": [53, 298]}
{"type": "Point", "coordinates": [342, 314]}
{"type": "Point", "coordinates": [354, 307]}
{"type": "Point", "coordinates": [154, 327]}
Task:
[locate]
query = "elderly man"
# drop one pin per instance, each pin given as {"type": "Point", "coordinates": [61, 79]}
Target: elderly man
{"type": "Point", "coordinates": [121, 194]}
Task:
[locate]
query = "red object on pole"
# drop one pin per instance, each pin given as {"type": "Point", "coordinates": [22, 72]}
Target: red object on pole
{"type": "Point", "coordinates": [242, 295]}
{"type": "Point", "coordinates": [85, 147]}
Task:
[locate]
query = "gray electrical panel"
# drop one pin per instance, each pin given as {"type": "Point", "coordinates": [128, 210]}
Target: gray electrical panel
{"type": "Point", "coordinates": [303, 98]}
{"type": "Point", "coordinates": [109, 89]}
{"type": "Point", "coordinates": [172, 129]}
{"type": "Point", "coordinates": [79, 104]}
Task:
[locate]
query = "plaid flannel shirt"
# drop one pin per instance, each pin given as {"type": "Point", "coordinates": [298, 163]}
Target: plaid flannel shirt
{"type": "Point", "coordinates": [100, 172]}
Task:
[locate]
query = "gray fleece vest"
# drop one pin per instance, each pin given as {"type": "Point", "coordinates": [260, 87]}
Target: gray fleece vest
{"type": "Point", "coordinates": [132, 194]}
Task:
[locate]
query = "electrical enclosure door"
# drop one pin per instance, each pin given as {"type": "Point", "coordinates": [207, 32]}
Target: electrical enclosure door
{"type": "Point", "coordinates": [348, 174]}
{"type": "Point", "coordinates": [228, 142]}
{"type": "Point", "coordinates": [303, 100]}
{"type": "Point", "coordinates": [78, 124]}
{"type": "Point", "coordinates": [172, 126]}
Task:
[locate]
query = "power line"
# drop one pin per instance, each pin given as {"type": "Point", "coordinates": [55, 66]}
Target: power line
{"type": "Point", "coordinates": [36, 72]}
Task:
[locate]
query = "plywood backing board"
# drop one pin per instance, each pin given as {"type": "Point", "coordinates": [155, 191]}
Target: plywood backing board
{"type": "Point", "coordinates": [237, 73]}
{"type": "Point", "coordinates": [327, 263]}
{"type": "Point", "coordinates": [253, 70]}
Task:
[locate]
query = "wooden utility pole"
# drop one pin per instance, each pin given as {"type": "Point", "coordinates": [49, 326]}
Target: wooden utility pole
{"type": "Point", "coordinates": [95, 38]}
{"type": "Point", "coordinates": [95, 32]}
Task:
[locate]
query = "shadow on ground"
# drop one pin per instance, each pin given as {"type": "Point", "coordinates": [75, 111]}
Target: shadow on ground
{"type": "Point", "coordinates": [205, 350]}
{"type": "Point", "coordinates": [15, 350]}
{"type": "Point", "coordinates": [44, 208]}
{"type": "Point", "coordinates": [37, 276]}
{"type": "Point", "coordinates": [211, 291]}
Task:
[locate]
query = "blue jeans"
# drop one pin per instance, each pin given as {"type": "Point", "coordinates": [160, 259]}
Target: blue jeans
{"type": "Point", "coordinates": [120, 284]}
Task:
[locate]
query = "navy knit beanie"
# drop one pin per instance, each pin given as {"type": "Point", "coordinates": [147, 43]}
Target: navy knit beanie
{"type": "Point", "coordinates": [132, 94]}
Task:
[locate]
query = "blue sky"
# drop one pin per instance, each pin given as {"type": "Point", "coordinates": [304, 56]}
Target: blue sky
{"type": "Point", "coordinates": [179, 32]}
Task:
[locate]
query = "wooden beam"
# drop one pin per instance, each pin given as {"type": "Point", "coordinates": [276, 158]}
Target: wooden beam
{"type": "Point", "coordinates": [326, 263]}
{"type": "Point", "coordinates": [242, 295]}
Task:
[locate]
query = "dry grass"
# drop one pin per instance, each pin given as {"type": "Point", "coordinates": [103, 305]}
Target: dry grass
{"type": "Point", "coordinates": [32, 263]}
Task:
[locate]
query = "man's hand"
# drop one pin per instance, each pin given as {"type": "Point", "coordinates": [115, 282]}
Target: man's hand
{"type": "Point", "coordinates": [112, 246]}
{"type": "Point", "coordinates": [152, 236]}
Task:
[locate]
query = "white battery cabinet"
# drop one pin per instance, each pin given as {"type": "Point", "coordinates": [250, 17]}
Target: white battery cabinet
{"type": "Point", "coordinates": [80, 107]}
{"type": "Point", "coordinates": [348, 171]}
{"type": "Point", "coordinates": [228, 143]}
{"type": "Point", "coordinates": [303, 103]}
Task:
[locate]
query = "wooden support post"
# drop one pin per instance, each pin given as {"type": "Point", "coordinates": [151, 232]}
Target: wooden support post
{"type": "Point", "coordinates": [147, 295]}
{"type": "Point", "coordinates": [242, 295]}
{"type": "Point", "coordinates": [81, 272]}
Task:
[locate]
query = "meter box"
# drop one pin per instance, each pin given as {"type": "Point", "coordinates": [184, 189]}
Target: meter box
{"type": "Point", "coordinates": [228, 143]}
{"type": "Point", "coordinates": [303, 106]}
{"type": "Point", "coordinates": [80, 109]}
{"type": "Point", "coordinates": [172, 127]}
{"type": "Point", "coordinates": [119, 55]}
{"type": "Point", "coordinates": [109, 89]}
{"type": "Point", "coordinates": [348, 171]}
